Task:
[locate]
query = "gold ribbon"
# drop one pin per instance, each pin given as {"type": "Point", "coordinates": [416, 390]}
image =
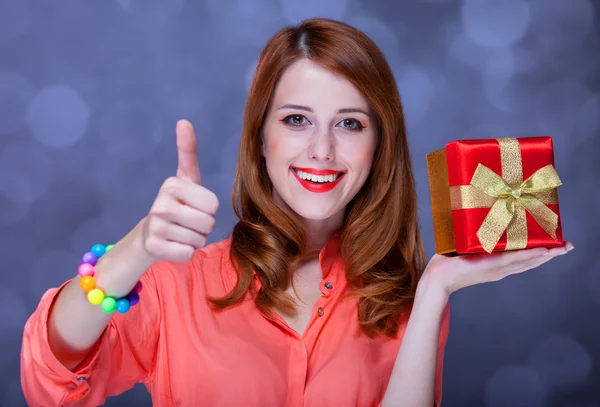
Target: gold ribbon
{"type": "Point", "coordinates": [509, 197]}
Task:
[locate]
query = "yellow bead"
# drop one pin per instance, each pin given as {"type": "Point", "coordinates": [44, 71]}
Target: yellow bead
{"type": "Point", "coordinates": [95, 296]}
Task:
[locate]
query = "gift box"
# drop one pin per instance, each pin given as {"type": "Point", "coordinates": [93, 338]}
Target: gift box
{"type": "Point", "coordinates": [494, 195]}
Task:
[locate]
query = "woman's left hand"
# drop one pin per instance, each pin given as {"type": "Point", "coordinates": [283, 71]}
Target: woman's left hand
{"type": "Point", "coordinates": [453, 273]}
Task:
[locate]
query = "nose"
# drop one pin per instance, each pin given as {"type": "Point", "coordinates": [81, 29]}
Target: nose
{"type": "Point", "coordinates": [322, 146]}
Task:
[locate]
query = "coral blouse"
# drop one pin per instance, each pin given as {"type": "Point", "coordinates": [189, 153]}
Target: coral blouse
{"type": "Point", "coordinates": [189, 355]}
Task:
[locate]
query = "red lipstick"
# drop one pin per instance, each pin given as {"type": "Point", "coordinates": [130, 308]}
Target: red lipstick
{"type": "Point", "coordinates": [318, 186]}
{"type": "Point", "coordinates": [317, 172]}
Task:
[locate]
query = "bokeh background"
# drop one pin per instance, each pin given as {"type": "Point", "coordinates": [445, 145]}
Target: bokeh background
{"type": "Point", "coordinates": [90, 93]}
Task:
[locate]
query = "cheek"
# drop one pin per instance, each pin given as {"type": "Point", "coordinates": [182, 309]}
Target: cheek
{"type": "Point", "coordinates": [273, 147]}
{"type": "Point", "coordinates": [362, 156]}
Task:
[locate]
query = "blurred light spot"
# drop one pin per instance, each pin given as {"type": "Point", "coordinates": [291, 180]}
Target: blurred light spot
{"type": "Point", "coordinates": [15, 95]}
{"type": "Point", "coordinates": [495, 23]}
{"type": "Point", "coordinates": [561, 362]}
{"type": "Point", "coordinates": [295, 11]}
{"type": "Point", "coordinates": [418, 92]}
{"type": "Point", "coordinates": [15, 18]}
{"type": "Point", "coordinates": [58, 116]}
{"type": "Point", "coordinates": [515, 386]}
{"type": "Point", "coordinates": [130, 130]}
{"type": "Point", "coordinates": [26, 172]}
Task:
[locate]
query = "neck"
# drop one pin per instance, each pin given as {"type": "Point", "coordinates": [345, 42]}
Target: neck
{"type": "Point", "coordinates": [319, 231]}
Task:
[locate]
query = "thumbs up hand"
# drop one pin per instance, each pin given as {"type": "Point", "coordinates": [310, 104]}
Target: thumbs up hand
{"type": "Point", "coordinates": [183, 212]}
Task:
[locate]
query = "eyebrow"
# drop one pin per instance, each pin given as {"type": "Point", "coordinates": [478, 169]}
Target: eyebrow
{"type": "Point", "coordinates": [308, 109]}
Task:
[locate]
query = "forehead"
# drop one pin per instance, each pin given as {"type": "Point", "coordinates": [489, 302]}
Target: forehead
{"type": "Point", "coordinates": [309, 84]}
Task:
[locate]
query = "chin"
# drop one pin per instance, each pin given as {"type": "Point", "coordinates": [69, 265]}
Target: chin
{"type": "Point", "coordinates": [313, 212]}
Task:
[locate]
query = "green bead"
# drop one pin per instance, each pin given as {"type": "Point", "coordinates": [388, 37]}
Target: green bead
{"type": "Point", "coordinates": [109, 304]}
{"type": "Point", "coordinates": [110, 246]}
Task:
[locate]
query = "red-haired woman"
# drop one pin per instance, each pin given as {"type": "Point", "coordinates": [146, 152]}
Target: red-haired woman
{"type": "Point", "coordinates": [320, 297]}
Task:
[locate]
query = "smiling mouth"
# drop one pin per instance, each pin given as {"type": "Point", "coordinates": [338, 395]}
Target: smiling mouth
{"type": "Point", "coordinates": [317, 179]}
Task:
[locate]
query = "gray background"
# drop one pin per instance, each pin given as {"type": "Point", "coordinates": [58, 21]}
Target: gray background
{"type": "Point", "coordinates": [90, 93]}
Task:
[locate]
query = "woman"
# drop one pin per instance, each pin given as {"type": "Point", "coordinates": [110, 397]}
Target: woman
{"type": "Point", "coordinates": [320, 296]}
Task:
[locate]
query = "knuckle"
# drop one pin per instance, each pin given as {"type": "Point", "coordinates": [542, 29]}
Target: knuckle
{"type": "Point", "coordinates": [211, 223]}
{"type": "Point", "coordinates": [153, 246]}
{"type": "Point", "coordinates": [157, 227]}
{"type": "Point", "coordinates": [187, 252]}
{"type": "Point", "coordinates": [201, 241]}
{"type": "Point", "coordinates": [171, 186]}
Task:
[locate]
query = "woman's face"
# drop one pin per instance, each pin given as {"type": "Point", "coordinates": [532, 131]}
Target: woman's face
{"type": "Point", "coordinates": [319, 138]}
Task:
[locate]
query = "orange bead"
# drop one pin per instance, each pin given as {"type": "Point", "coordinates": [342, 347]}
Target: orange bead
{"type": "Point", "coordinates": [87, 283]}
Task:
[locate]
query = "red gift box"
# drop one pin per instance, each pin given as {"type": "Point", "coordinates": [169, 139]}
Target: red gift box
{"type": "Point", "coordinates": [494, 195]}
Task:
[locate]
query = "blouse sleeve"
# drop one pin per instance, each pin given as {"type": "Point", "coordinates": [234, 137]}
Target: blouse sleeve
{"type": "Point", "coordinates": [439, 367]}
{"type": "Point", "coordinates": [123, 355]}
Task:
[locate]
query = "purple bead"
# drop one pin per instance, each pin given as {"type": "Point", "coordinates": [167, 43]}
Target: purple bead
{"type": "Point", "coordinates": [138, 287]}
{"type": "Point", "coordinates": [133, 298]}
{"type": "Point", "coordinates": [89, 258]}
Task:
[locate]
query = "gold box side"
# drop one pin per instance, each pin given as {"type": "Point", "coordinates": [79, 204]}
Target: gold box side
{"type": "Point", "coordinates": [441, 210]}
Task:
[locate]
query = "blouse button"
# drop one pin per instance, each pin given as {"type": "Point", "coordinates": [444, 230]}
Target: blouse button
{"type": "Point", "coordinates": [328, 285]}
{"type": "Point", "coordinates": [320, 311]}
{"type": "Point", "coordinates": [81, 378]}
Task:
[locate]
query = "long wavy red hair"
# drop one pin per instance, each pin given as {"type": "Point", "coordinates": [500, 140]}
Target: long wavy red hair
{"type": "Point", "coordinates": [380, 241]}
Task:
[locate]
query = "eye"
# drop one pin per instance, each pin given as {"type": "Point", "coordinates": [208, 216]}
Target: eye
{"type": "Point", "coordinates": [296, 120]}
{"type": "Point", "coordinates": [351, 124]}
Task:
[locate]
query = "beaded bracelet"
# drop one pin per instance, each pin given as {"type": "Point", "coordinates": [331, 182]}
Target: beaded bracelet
{"type": "Point", "coordinates": [96, 295]}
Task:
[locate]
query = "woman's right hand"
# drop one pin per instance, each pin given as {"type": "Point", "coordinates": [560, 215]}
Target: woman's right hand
{"type": "Point", "coordinates": [183, 212]}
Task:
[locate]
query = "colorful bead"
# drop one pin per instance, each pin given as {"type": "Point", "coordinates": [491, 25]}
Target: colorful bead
{"type": "Point", "coordinates": [85, 269]}
{"type": "Point", "coordinates": [123, 305]}
{"type": "Point", "coordinates": [87, 283]}
{"type": "Point", "coordinates": [89, 258]}
{"type": "Point", "coordinates": [98, 250]}
{"type": "Point", "coordinates": [95, 296]}
{"type": "Point", "coordinates": [133, 298]}
{"type": "Point", "coordinates": [109, 304]}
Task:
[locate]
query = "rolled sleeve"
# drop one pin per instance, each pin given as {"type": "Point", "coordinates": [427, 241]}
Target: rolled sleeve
{"type": "Point", "coordinates": [122, 356]}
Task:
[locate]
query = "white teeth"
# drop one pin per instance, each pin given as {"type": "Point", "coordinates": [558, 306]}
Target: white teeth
{"type": "Point", "coordinates": [317, 178]}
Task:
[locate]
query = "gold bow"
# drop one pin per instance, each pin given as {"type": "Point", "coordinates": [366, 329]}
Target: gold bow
{"type": "Point", "coordinates": [511, 202]}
